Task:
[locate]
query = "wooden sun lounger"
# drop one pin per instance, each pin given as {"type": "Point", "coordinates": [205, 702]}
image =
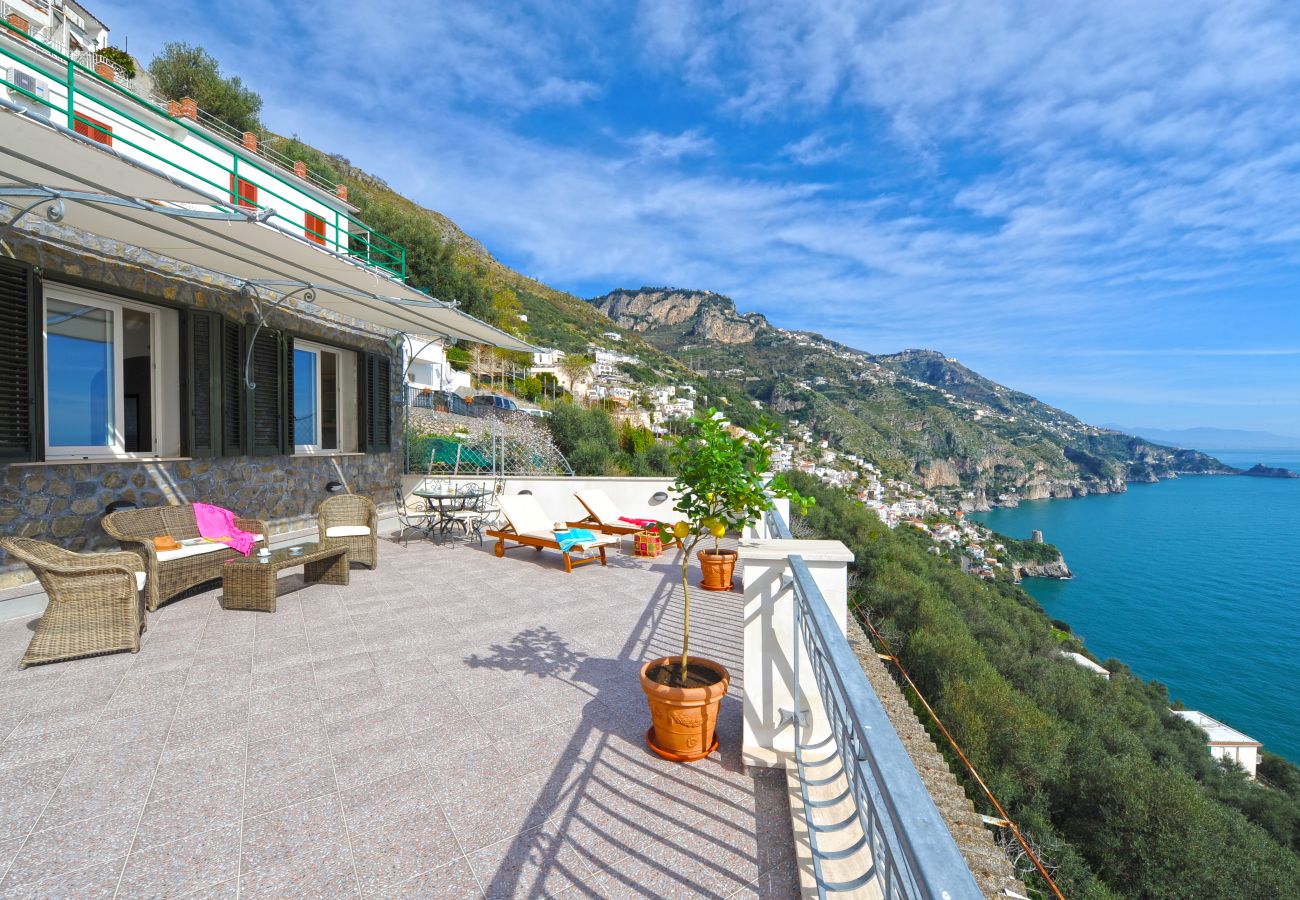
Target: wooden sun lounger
{"type": "Point", "coordinates": [527, 526]}
{"type": "Point", "coordinates": [603, 516]}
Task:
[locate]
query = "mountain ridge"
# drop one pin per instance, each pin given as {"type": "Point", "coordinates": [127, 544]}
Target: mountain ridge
{"type": "Point", "coordinates": [920, 412]}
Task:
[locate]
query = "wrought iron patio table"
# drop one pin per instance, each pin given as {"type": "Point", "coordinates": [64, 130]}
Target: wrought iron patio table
{"type": "Point", "coordinates": [249, 582]}
{"type": "Point", "coordinates": [444, 503]}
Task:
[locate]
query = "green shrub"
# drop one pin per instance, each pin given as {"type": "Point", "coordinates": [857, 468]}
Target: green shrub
{"type": "Point", "coordinates": [184, 70]}
{"type": "Point", "coordinates": [124, 60]}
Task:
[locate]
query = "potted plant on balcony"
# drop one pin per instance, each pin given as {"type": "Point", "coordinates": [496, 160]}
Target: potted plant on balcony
{"type": "Point", "coordinates": [722, 484]}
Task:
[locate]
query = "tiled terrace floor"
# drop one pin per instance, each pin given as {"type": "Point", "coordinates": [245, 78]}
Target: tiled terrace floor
{"type": "Point", "coordinates": [451, 724]}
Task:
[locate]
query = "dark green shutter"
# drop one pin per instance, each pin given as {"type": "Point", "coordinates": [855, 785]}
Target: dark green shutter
{"type": "Point", "coordinates": [375, 379]}
{"type": "Point", "coordinates": [265, 419]}
{"type": "Point", "coordinates": [232, 389]}
{"type": "Point", "coordinates": [290, 423]}
{"type": "Point", "coordinates": [201, 371]}
{"type": "Point", "coordinates": [22, 429]}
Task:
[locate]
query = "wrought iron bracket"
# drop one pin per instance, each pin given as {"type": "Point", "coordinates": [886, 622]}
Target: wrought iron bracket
{"type": "Point", "coordinates": [248, 290]}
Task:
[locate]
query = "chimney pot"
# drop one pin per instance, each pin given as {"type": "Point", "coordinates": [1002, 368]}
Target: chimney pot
{"type": "Point", "coordinates": [190, 108]}
{"type": "Point", "coordinates": [341, 191]}
{"type": "Point", "coordinates": [250, 141]}
{"type": "Point", "coordinates": [300, 169]}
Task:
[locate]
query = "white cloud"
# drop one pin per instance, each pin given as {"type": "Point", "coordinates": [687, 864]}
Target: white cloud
{"type": "Point", "coordinates": [814, 149]}
{"type": "Point", "coordinates": [657, 145]}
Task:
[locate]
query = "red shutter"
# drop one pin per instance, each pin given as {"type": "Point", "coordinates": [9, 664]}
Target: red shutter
{"type": "Point", "coordinates": [314, 228]}
{"type": "Point", "coordinates": [97, 131]}
{"type": "Point", "coordinates": [244, 192]}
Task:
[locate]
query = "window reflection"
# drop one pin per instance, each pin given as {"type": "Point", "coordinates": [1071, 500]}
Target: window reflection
{"type": "Point", "coordinates": [79, 366]}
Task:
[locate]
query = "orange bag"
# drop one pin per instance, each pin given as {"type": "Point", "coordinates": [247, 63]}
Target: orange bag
{"type": "Point", "coordinates": [166, 542]}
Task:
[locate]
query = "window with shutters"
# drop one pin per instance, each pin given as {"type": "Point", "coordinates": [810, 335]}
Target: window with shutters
{"type": "Point", "coordinates": [101, 375]}
{"type": "Point", "coordinates": [317, 387]}
{"type": "Point", "coordinates": [267, 401]}
{"type": "Point", "coordinates": [314, 228]}
{"type": "Point", "coordinates": [20, 368]}
{"type": "Point", "coordinates": [376, 403]}
{"type": "Point", "coordinates": [242, 192]}
{"type": "Point", "coordinates": [232, 389]}
{"type": "Point", "coordinates": [97, 131]}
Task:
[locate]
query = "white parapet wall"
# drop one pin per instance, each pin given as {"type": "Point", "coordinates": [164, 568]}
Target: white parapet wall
{"type": "Point", "coordinates": [770, 641]}
{"type": "Point", "coordinates": [634, 497]}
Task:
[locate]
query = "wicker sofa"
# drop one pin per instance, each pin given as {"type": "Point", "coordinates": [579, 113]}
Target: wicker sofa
{"type": "Point", "coordinates": [172, 572]}
{"type": "Point", "coordinates": [94, 601]}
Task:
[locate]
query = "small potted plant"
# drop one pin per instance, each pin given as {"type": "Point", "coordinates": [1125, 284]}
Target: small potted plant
{"type": "Point", "coordinates": [722, 484]}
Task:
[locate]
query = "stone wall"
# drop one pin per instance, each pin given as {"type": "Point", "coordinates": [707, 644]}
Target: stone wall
{"type": "Point", "coordinates": [63, 502]}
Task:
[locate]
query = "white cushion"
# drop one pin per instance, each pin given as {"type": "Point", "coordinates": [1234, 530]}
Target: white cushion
{"type": "Point", "coordinates": [139, 581]}
{"type": "Point", "coordinates": [346, 531]}
{"type": "Point", "coordinates": [196, 550]}
{"type": "Point", "coordinates": [600, 506]}
{"type": "Point", "coordinates": [525, 514]}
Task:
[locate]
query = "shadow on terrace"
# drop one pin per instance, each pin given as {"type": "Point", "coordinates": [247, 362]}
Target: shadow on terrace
{"type": "Point", "coordinates": [448, 725]}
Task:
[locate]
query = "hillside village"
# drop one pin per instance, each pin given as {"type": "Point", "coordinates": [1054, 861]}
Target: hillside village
{"type": "Point", "coordinates": [601, 378]}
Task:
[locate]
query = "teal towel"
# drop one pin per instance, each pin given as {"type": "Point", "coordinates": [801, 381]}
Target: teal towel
{"type": "Point", "coordinates": [574, 536]}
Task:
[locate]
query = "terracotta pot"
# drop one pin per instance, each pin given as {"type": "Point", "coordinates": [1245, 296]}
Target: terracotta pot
{"type": "Point", "coordinates": [717, 567]}
{"type": "Point", "coordinates": [684, 718]}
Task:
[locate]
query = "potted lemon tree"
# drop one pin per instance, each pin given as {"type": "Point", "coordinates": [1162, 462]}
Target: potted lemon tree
{"type": "Point", "coordinates": [722, 485]}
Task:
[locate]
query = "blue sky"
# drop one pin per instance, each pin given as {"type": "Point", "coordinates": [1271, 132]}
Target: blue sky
{"type": "Point", "coordinates": [1094, 202]}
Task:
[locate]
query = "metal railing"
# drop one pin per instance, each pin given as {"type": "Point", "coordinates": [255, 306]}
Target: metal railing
{"type": "Point", "coordinates": [912, 852]}
{"type": "Point", "coordinates": [264, 150]}
{"type": "Point", "coordinates": [91, 60]}
{"type": "Point", "coordinates": [364, 245]}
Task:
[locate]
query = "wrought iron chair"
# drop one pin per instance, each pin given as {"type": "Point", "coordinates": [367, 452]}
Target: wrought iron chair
{"type": "Point", "coordinates": [412, 513]}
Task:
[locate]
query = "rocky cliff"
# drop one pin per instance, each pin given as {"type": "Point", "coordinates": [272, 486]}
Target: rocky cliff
{"type": "Point", "coordinates": [1051, 569]}
{"type": "Point", "coordinates": [702, 315]}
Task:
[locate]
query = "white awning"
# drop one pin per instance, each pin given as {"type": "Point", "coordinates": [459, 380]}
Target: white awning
{"type": "Point", "coordinates": [36, 155]}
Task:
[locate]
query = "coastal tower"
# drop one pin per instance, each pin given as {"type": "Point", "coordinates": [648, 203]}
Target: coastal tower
{"type": "Point", "coordinates": [1036, 536]}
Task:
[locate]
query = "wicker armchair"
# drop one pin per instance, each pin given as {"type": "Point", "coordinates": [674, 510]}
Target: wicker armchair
{"type": "Point", "coordinates": [172, 572]}
{"type": "Point", "coordinates": [352, 520]}
{"type": "Point", "coordinates": [94, 601]}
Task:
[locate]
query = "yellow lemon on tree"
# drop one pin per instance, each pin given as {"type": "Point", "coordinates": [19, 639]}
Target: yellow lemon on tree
{"type": "Point", "coordinates": [681, 529]}
{"type": "Point", "coordinates": [717, 529]}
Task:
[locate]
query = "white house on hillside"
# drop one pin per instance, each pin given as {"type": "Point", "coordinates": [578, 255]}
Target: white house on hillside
{"type": "Point", "coordinates": [1226, 742]}
{"type": "Point", "coordinates": [428, 368]}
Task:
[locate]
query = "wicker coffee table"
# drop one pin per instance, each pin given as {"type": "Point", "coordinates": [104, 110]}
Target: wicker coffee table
{"type": "Point", "coordinates": [248, 582]}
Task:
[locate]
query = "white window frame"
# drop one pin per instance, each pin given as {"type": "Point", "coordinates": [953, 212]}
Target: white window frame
{"type": "Point", "coordinates": [117, 449]}
{"type": "Point", "coordinates": [316, 350]}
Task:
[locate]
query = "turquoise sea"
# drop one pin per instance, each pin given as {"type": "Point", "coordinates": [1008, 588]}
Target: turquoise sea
{"type": "Point", "coordinates": [1194, 582]}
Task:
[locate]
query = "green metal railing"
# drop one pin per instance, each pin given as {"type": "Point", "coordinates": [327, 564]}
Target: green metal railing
{"type": "Point", "coordinates": [366, 245]}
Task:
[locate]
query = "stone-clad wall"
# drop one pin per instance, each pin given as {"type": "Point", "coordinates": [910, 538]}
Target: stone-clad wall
{"type": "Point", "coordinates": [64, 502]}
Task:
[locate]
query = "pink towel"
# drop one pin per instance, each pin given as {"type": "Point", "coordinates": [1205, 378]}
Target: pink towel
{"type": "Point", "coordinates": [217, 524]}
{"type": "Point", "coordinates": [640, 523]}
